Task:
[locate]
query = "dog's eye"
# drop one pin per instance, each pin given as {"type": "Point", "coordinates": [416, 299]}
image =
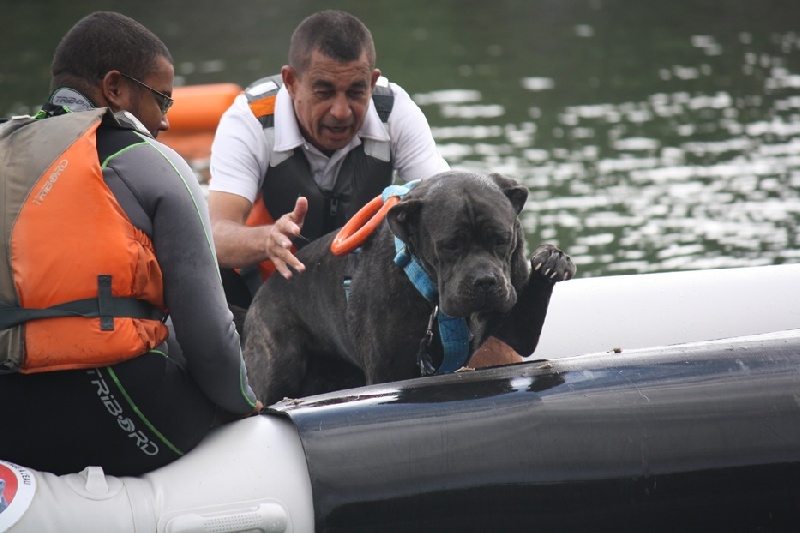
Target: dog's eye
{"type": "Point", "coordinates": [450, 246]}
{"type": "Point", "coordinates": [501, 241]}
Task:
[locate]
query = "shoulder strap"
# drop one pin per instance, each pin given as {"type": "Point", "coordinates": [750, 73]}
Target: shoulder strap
{"type": "Point", "coordinates": [383, 99]}
{"type": "Point", "coordinates": [261, 96]}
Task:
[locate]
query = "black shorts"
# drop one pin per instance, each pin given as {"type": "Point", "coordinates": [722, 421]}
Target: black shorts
{"type": "Point", "coordinates": [129, 418]}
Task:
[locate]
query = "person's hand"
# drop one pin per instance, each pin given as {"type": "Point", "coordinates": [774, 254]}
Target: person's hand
{"type": "Point", "coordinates": [224, 417]}
{"type": "Point", "coordinates": [280, 236]}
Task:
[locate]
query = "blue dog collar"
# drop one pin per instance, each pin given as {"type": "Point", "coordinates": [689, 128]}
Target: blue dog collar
{"type": "Point", "coordinates": [453, 331]}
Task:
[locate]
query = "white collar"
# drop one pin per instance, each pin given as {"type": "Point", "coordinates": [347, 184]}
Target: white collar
{"type": "Point", "coordinates": [287, 131]}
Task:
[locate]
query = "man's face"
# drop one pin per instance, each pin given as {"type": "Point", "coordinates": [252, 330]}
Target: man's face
{"type": "Point", "coordinates": [331, 99]}
{"type": "Point", "coordinates": [144, 104]}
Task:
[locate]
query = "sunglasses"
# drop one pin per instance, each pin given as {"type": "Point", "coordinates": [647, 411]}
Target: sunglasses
{"type": "Point", "coordinates": [164, 101]}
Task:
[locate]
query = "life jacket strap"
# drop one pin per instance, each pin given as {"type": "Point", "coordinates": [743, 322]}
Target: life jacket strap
{"type": "Point", "coordinates": [105, 306]}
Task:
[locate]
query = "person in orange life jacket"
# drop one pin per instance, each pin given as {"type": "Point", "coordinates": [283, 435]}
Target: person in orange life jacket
{"type": "Point", "coordinates": [305, 150]}
{"type": "Point", "coordinates": [106, 233]}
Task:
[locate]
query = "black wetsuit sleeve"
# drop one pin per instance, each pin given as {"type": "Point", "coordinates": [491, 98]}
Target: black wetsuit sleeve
{"type": "Point", "coordinates": [173, 204]}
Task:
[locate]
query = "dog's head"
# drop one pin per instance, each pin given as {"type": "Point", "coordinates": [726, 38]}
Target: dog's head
{"type": "Point", "coordinates": [464, 229]}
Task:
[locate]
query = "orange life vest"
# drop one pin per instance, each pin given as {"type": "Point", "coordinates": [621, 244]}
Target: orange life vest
{"type": "Point", "coordinates": [69, 243]}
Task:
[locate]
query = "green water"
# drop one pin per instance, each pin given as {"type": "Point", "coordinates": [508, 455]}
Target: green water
{"type": "Point", "coordinates": [654, 136]}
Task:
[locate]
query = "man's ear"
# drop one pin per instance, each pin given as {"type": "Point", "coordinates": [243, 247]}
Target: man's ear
{"type": "Point", "coordinates": [403, 219]}
{"type": "Point", "coordinates": [515, 192]}
{"type": "Point", "coordinates": [289, 77]}
{"type": "Point", "coordinates": [112, 91]}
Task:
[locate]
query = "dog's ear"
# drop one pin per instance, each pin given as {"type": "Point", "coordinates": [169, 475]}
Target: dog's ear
{"type": "Point", "coordinates": [403, 219]}
{"type": "Point", "coordinates": [512, 189]}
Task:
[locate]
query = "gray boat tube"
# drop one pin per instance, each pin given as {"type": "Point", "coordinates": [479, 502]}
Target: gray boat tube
{"type": "Point", "coordinates": [701, 436]}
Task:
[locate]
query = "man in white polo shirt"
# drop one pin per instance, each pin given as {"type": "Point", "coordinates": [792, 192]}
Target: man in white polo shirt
{"type": "Point", "coordinates": [306, 149]}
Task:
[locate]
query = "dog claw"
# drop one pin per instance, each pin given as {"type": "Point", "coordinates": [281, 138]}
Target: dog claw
{"type": "Point", "coordinates": [552, 264]}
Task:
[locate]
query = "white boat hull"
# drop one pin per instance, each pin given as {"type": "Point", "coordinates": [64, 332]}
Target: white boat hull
{"type": "Point", "coordinates": [636, 311]}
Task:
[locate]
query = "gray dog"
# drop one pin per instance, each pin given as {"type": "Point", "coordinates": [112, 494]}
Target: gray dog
{"type": "Point", "coordinates": [458, 232]}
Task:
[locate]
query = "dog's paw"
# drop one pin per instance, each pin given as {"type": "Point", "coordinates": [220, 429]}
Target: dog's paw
{"type": "Point", "coordinates": [552, 264]}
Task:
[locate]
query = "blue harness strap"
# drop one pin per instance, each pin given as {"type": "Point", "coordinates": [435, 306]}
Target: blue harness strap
{"type": "Point", "coordinates": [455, 341]}
{"type": "Point", "coordinates": [453, 331]}
{"type": "Point", "coordinates": [398, 190]}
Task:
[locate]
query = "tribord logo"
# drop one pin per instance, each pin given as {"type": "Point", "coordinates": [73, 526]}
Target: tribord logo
{"type": "Point", "coordinates": [47, 186]}
{"type": "Point", "coordinates": [114, 408]}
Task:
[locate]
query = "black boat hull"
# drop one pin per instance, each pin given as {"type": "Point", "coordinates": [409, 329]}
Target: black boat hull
{"type": "Point", "coordinates": [694, 437]}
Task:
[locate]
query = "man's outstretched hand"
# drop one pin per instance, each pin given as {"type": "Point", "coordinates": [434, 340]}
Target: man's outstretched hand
{"type": "Point", "coordinates": [280, 237]}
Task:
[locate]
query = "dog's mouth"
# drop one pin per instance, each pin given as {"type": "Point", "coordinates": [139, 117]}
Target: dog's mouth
{"type": "Point", "coordinates": [480, 291]}
{"type": "Point", "coordinates": [464, 304]}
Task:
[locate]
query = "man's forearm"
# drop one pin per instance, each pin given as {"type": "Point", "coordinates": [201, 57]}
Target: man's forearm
{"type": "Point", "coordinates": [239, 246]}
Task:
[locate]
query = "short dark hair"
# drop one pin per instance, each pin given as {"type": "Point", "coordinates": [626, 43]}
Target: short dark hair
{"type": "Point", "coordinates": [104, 41]}
{"type": "Point", "coordinates": [337, 34]}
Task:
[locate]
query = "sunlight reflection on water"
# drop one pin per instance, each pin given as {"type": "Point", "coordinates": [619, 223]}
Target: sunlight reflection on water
{"type": "Point", "coordinates": [670, 143]}
{"type": "Point", "coordinates": [715, 186]}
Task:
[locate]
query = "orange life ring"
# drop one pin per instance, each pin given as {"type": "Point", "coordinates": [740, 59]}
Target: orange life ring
{"type": "Point", "coordinates": [193, 120]}
{"type": "Point", "coordinates": [199, 107]}
{"type": "Point", "coordinates": [361, 226]}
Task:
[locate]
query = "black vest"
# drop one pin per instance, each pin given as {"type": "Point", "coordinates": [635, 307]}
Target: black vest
{"type": "Point", "coordinates": [361, 176]}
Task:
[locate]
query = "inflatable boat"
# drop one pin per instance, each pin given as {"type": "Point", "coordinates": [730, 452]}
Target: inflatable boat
{"type": "Point", "coordinates": [654, 402]}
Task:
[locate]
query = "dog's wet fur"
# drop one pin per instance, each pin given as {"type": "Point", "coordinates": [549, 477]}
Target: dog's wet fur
{"type": "Point", "coordinates": [304, 336]}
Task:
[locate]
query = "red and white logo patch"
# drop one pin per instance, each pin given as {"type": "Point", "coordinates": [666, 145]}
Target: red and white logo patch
{"type": "Point", "coordinates": [17, 488]}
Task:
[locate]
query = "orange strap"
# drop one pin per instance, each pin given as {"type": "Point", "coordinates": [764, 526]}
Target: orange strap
{"type": "Point", "coordinates": [263, 107]}
{"type": "Point", "coordinates": [361, 226]}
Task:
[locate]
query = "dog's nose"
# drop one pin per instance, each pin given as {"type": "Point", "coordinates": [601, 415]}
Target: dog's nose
{"type": "Point", "coordinates": [485, 282]}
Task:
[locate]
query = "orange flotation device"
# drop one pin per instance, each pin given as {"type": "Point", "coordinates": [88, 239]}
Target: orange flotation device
{"type": "Point", "coordinates": [361, 226]}
{"type": "Point", "coordinates": [366, 220]}
{"type": "Point", "coordinates": [69, 241]}
{"type": "Point", "coordinates": [194, 117]}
